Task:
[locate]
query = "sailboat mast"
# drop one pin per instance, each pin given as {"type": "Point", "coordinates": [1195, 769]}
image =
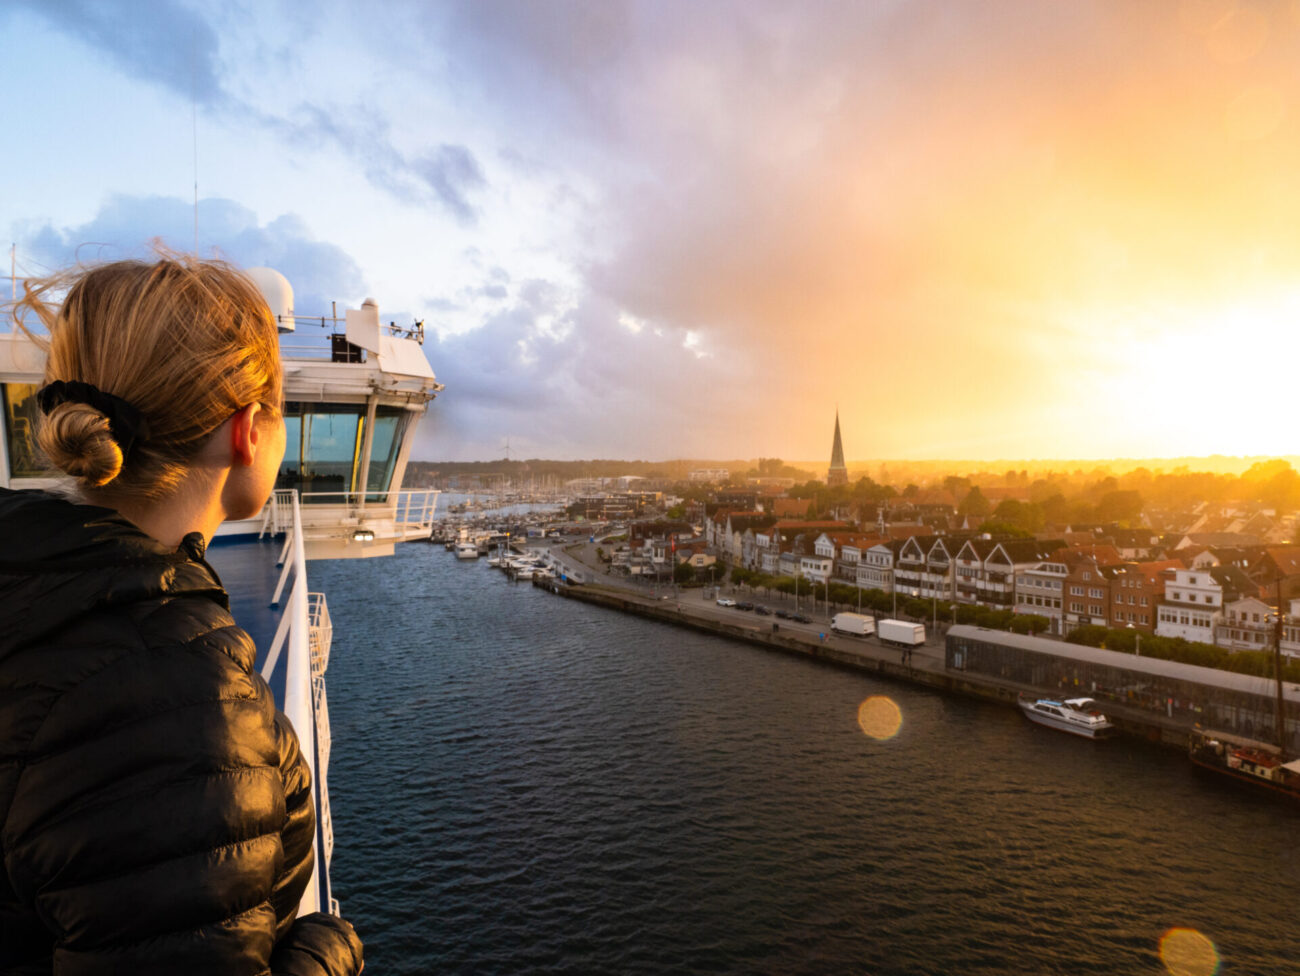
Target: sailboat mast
{"type": "Point", "coordinates": [1277, 673]}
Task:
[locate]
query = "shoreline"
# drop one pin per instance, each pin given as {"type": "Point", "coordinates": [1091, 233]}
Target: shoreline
{"type": "Point", "coordinates": [925, 668]}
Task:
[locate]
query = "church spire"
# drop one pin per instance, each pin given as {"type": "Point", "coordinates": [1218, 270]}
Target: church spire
{"type": "Point", "coordinates": [838, 473]}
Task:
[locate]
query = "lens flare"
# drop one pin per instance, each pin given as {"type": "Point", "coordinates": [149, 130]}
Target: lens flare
{"type": "Point", "coordinates": [1185, 952]}
{"type": "Point", "coordinates": [879, 717]}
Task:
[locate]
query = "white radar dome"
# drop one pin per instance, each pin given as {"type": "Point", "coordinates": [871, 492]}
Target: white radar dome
{"type": "Point", "coordinates": [277, 291]}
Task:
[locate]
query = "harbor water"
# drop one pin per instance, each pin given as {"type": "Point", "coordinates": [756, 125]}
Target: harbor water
{"type": "Point", "coordinates": [525, 784]}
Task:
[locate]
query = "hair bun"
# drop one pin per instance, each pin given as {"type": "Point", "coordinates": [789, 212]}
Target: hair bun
{"type": "Point", "coordinates": [76, 439]}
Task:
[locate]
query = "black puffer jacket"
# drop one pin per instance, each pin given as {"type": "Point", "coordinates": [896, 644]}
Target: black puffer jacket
{"type": "Point", "coordinates": [155, 813]}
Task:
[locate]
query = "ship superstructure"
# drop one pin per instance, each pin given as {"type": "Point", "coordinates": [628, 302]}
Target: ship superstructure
{"type": "Point", "coordinates": [355, 391]}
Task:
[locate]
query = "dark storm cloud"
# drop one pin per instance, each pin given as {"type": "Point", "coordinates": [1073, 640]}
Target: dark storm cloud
{"type": "Point", "coordinates": [125, 226]}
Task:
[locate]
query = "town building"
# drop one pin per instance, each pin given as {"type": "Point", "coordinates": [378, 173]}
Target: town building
{"type": "Point", "coordinates": [1086, 596]}
{"type": "Point", "coordinates": [926, 566]}
{"type": "Point", "coordinates": [987, 568]}
{"type": "Point", "coordinates": [1248, 624]}
{"type": "Point", "coordinates": [709, 475]}
{"type": "Point", "coordinates": [1040, 590]}
{"type": "Point", "coordinates": [1192, 606]}
{"type": "Point", "coordinates": [875, 569]}
{"type": "Point", "coordinates": [1136, 589]}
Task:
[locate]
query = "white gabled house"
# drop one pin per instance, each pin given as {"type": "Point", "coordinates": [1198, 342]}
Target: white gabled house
{"type": "Point", "coordinates": [1247, 624]}
{"type": "Point", "coordinates": [816, 568]}
{"type": "Point", "coordinates": [1192, 608]}
{"type": "Point", "coordinates": [876, 567]}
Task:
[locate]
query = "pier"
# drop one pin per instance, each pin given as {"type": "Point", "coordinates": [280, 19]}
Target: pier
{"type": "Point", "coordinates": [923, 665]}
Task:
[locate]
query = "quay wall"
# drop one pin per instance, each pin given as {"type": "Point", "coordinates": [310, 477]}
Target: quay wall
{"type": "Point", "coordinates": [870, 657]}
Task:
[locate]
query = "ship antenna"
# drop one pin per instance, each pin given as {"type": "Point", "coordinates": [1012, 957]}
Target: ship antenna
{"type": "Point", "coordinates": [194, 120]}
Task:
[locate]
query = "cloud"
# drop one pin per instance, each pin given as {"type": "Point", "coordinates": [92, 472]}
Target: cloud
{"type": "Point", "coordinates": [156, 41]}
{"type": "Point", "coordinates": [446, 177]}
{"type": "Point", "coordinates": [568, 380]}
{"type": "Point", "coordinates": [177, 48]}
{"type": "Point", "coordinates": [125, 226]}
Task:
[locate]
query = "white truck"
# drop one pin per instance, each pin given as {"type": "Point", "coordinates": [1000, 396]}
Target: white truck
{"type": "Point", "coordinates": [857, 624]}
{"type": "Point", "coordinates": [902, 633]}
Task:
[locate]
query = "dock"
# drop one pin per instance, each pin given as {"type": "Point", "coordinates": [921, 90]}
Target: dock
{"type": "Point", "coordinates": [923, 666]}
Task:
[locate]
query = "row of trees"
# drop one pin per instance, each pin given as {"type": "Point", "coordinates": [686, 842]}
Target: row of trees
{"type": "Point", "coordinates": [1259, 663]}
{"type": "Point", "coordinates": [880, 603]}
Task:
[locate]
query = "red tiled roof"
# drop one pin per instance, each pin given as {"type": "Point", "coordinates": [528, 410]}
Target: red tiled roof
{"type": "Point", "coordinates": [783, 507]}
{"type": "Point", "coordinates": [1102, 555]}
{"type": "Point", "coordinates": [1285, 558]}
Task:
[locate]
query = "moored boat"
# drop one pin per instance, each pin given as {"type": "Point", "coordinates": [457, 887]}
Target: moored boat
{"type": "Point", "coordinates": [1245, 760]}
{"type": "Point", "coordinates": [1078, 716]}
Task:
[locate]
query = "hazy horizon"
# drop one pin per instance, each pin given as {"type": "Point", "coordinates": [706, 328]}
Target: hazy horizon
{"type": "Point", "coordinates": [1218, 464]}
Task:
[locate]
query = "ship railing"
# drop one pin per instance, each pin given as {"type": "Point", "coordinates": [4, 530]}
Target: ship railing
{"type": "Point", "coordinates": [321, 633]}
{"type": "Point", "coordinates": [323, 743]}
{"type": "Point", "coordinates": [412, 511]}
{"type": "Point", "coordinates": [293, 639]}
{"type": "Point", "coordinates": [277, 516]}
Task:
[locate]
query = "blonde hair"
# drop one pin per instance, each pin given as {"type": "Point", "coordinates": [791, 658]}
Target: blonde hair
{"type": "Point", "coordinates": [186, 342]}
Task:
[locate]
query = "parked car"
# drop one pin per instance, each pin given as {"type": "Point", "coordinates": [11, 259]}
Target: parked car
{"type": "Point", "coordinates": [800, 618]}
{"type": "Point", "coordinates": [783, 614]}
{"type": "Point", "coordinates": [744, 605]}
{"type": "Point", "coordinates": [726, 601]}
{"type": "Point", "coordinates": [762, 611]}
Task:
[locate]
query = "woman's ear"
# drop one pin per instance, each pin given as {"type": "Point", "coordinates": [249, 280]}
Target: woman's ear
{"type": "Point", "coordinates": [244, 434]}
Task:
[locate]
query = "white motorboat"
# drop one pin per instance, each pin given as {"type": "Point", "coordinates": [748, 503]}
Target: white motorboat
{"type": "Point", "coordinates": [466, 550]}
{"type": "Point", "coordinates": [1078, 716]}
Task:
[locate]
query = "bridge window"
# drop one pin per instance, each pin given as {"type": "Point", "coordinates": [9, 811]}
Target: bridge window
{"type": "Point", "coordinates": [20, 427]}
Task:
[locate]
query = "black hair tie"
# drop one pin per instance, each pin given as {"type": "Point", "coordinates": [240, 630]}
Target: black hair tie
{"type": "Point", "coordinates": [126, 424]}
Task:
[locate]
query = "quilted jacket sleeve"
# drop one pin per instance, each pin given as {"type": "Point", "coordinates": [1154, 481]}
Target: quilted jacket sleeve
{"type": "Point", "coordinates": [150, 822]}
{"type": "Point", "coordinates": [318, 945]}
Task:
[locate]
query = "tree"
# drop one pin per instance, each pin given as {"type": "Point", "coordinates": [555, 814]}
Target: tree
{"type": "Point", "coordinates": [684, 573]}
{"type": "Point", "coordinates": [1119, 506]}
{"type": "Point", "coordinates": [956, 485]}
{"type": "Point", "coordinates": [1090, 635]}
{"type": "Point", "coordinates": [974, 503]}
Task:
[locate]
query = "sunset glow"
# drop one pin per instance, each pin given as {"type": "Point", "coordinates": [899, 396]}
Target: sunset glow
{"type": "Point", "coordinates": [1007, 230]}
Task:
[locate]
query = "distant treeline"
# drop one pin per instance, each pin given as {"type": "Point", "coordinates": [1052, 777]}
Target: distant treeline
{"type": "Point", "coordinates": [540, 469]}
{"type": "Point", "coordinates": [1040, 496]}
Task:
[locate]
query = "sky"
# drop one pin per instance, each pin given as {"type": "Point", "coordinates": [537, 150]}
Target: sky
{"type": "Point", "coordinates": [687, 228]}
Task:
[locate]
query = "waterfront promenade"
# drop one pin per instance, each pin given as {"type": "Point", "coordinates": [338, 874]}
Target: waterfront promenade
{"type": "Point", "coordinates": [924, 665]}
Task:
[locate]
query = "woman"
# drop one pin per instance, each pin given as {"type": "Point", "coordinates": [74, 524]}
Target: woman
{"type": "Point", "coordinates": [155, 812]}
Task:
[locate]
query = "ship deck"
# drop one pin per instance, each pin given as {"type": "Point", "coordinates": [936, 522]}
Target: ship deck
{"type": "Point", "coordinates": [247, 567]}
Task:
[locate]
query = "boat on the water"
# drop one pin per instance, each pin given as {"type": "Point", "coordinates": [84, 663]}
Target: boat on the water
{"type": "Point", "coordinates": [1246, 760]}
{"type": "Point", "coordinates": [467, 550]}
{"type": "Point", "coordinates": [1078, 716]}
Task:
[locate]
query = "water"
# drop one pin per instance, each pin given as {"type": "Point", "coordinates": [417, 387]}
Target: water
{"type": "Point", "coordinates": [525, 784]}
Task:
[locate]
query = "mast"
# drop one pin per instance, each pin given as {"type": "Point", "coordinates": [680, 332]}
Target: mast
{"type": "Point", "coordinates": [1277, 672]}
